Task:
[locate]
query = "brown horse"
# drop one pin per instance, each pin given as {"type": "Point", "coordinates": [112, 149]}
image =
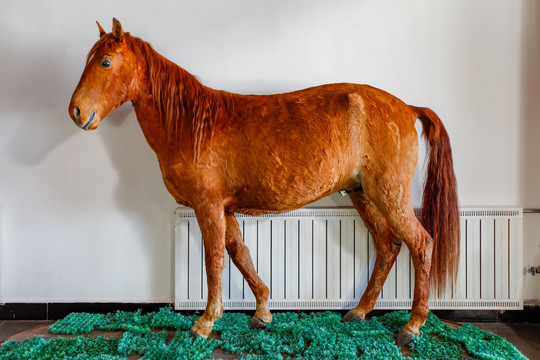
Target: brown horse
{"type": "Point", "coordinates": [222, 153]}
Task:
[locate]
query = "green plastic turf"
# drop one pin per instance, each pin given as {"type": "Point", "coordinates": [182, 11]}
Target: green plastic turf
{"type": "Point", "coordinates": [319, 335]}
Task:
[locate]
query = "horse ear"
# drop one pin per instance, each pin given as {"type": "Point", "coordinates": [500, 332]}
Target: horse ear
{"type": "Point", "coordinates": [117, 29]}
{"type": "Point", "coordinates": [101, 31]}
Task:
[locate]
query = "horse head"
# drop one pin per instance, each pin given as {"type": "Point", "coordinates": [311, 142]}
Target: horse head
{"type": "Point", "coordinates": [109, 79]}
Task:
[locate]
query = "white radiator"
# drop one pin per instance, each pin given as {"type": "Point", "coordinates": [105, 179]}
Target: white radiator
{"type": "Point", "coordinates": [322, 259]}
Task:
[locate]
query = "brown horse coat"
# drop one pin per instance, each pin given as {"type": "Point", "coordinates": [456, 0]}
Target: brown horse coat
{"type": "Point", "coordinates": [222, 153]}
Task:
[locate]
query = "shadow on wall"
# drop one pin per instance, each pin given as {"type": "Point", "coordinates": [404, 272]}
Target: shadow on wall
{"type": "Point", "coordinates": [37, 91]}
{"type": "Point", "coordinates": [530, 105]}
{"type": "Point", "coordinates": [39, 88]}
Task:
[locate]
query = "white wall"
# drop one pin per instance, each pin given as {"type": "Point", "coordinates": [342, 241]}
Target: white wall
{"type": "Point", "coordinates": [86, 217]}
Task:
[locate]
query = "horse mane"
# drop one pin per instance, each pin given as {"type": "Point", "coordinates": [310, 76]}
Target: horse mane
{"type": "Point", "coordinates": [177, 94]}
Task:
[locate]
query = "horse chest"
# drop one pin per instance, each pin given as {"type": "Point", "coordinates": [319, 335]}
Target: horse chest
{"type": "Point", "coordinates": [188, 184]}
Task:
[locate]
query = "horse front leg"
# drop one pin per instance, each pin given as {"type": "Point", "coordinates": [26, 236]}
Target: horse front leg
{"type": "Point", "coordinates": [212, 223]}
{"type": "Point", "coordinates": [239, 253]}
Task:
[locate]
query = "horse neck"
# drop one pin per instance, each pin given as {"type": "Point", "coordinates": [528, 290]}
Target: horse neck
{"type": "Point", "coordinates": [175, 111]}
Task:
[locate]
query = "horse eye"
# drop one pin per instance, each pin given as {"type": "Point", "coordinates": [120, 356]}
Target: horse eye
{"type": "Point", "coordinates": [106, 63]}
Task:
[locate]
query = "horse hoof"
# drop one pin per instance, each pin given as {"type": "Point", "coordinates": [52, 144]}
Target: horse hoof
{"type": "Point", "coordinates": [405, 338]}
{"type": "Point", "coordinates": [194, 334]}
{"type": "Point", "coordinates": [352, 316]}
{"type": "Point", "coordinates": [201, 330]}
{"type": "Point", "coordinates": [256, 323]}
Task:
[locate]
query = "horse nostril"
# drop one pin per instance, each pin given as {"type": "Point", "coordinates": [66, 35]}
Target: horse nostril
{"type": "Point", "coordinates": [91, 118]}
{"type": "Point", "coordinates": [77, 113]}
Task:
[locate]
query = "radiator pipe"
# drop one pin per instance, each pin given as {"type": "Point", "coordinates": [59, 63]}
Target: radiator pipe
{"type": "Point", "coordinates": [533, 270]}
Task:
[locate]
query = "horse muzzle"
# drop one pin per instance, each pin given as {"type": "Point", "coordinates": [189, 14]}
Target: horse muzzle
{"type": "Point", "coordinates": [84, 120]}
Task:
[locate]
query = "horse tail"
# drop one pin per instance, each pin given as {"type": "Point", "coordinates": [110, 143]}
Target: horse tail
{"type": "Point", "coordinates": [440, 211]}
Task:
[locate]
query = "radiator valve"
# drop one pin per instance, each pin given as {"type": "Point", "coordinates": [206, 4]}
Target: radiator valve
{"type": "Point", "coordinates": [534, 270]}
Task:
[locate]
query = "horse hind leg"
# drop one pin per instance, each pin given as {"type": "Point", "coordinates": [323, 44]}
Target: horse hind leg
{"type": "Point", "coordinates": [420, 245]}
{"type": "Point", "coordinates": [387, 247]}
{"type": "Point", "coordinates": [239, 254]}
{"type": "Point", "coordinates": [399, 214]}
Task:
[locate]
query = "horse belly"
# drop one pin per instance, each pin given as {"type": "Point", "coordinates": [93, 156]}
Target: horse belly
{"type": "Point", "coordinates": [280, 187]}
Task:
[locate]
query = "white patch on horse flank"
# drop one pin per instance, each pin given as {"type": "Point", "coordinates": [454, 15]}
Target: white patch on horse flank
{"type": "Point", "coordinates": [356, 103]}
{"type": "Point", "coordinates": [357, 118]}
{"type": "Point", "coordinates": [395, 129]}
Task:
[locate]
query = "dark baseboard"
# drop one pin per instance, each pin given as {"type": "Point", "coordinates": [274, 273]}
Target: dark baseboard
{"type": "Point", "coordinates": [55, 311]}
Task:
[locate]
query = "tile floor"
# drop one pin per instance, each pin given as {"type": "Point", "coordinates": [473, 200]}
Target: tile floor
{"type": "Point", "coordinates": [525, 337]}
{"type": "Point", "coordinates": [9, 328]}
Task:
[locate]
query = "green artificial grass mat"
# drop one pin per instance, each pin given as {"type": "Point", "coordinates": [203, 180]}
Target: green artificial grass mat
{"type": "Point", "coordinates": [319, 335]}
